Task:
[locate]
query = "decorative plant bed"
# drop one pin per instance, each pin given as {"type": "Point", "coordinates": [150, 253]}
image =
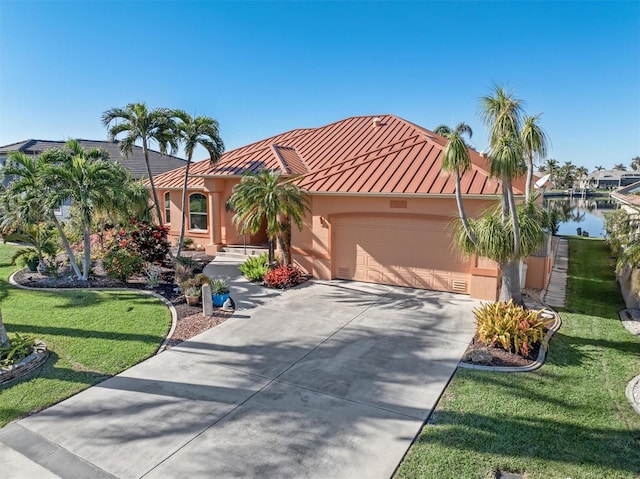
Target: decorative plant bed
{"type": "Point", "coordinates": [27, 365]}
{"type": "Point", "coordinates": [494, 358]}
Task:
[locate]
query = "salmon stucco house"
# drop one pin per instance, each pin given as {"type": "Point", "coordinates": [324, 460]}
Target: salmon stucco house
{"type": "Point", "coordinates": [380, 207]}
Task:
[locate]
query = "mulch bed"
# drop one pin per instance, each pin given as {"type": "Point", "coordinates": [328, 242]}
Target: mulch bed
{"type": "Point", "coordinates": [501, 357]}
{"type": "Point", "coordinates": [191, 321]}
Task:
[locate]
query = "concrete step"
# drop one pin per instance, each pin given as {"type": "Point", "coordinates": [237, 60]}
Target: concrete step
{"type": "Point", "coordinates": [240, 252]}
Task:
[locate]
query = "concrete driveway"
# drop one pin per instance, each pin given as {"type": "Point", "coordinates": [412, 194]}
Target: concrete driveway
{"type": "Point", "coordinates": [331, 379]}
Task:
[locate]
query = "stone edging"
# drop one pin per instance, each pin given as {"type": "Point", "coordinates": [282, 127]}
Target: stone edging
{"type": "Point", "coordinates": [631, 387]}
{"type": "Point", "coordinates": [631, 324]}
{"type": "Point", "coordinates": [32, 362]}
{"type": "Point", "coordinates": [172, 309]}
{"type": "Point", "coordinates": [523, 369]}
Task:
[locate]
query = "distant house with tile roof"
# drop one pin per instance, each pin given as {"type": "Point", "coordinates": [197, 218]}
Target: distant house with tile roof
{"type": "Point", "coordinates": [611, 179]}
{"type": "Point", "coordinates": [381, 208]}
{"type": "Point", "coordinates": [134, 163]}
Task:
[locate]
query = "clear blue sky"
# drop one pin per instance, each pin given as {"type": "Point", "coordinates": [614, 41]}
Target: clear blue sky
{"type": "Point", "coordinates": [261, 68]}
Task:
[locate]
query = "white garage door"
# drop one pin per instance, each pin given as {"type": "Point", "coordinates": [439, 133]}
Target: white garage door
{"type": "Point", "coordinates": [412, 251]}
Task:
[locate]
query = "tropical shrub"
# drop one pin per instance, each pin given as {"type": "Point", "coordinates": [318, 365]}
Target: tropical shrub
{"type": "Point", "coordinates": [510, 326]}
{"type": "Point", "coordinates": [122, 264]}
{"type": "Point", "coordinates": [24, 256]}
{"type": "Point", "coordinates": [183, 269]}
{"type": "Point", "coordinates": [18, 348]}
{"type": "Point", "coordinates": [283, 276]}
{"type": "Point", "coordinates": [149, 241]}
{"type": "Point", "coordinates": [255, 267]}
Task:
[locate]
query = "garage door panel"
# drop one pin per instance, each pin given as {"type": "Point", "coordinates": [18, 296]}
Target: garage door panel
{"type": "Point", "coordinates": [409, 252]}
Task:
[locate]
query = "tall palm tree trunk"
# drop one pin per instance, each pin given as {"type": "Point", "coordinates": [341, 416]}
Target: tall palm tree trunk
{"type": "Point", "coordinates": [510, 285]}
{"type": "Point", "coordinates": [461, 212]}
{"type": "Point", "coordinates": [86, 266]}
{"type": "Point", "coordinates": [516, 224]}
{"type": "Point", "coordinates": [154, 193]}
{"type": "Point", "coordinates": [67, 247]}
{"type": "Point", "coordinates": [529, 184]}
{"type": "Point", "coordinates": [4, 339]}
{"type": "Point", "coordinates": [183, 215]}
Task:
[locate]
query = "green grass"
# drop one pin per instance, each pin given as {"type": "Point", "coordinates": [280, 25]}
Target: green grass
{"type": "Point", "coordinates": [92, 335]}
{"type": "Point", "coordinates": [569, 419]}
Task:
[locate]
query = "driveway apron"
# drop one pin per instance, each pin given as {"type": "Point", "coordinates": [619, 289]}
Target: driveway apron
{"type": "Point", "coordinates": [331, 379]}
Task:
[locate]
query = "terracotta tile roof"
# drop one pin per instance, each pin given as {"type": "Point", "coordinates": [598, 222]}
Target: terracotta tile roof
{"type": "Point", "coordinates": [352, 156]}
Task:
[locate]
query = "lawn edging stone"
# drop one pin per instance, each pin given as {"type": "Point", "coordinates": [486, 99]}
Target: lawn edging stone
{"type": "Point", "coordinates": [633, 393]}
{"type": "Point", "coordinates": [167, 303]}
{"type": "Point", "coordinates": [631, 320]}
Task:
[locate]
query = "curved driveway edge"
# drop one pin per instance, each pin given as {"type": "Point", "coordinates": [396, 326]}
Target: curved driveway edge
{"type": "Point", "coordinates": [172, 309]}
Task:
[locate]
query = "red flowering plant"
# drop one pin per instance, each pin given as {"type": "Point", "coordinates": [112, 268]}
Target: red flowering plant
{"type": "Point", "coordinates": [147, 240]}
{"type": "Point", "coordinates": [284, 276]}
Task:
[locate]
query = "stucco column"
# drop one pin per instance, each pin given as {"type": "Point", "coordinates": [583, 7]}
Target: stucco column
{"type": "Point", "coordinates": [216, 220]}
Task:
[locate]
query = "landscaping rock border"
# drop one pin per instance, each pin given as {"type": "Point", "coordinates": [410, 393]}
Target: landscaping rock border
{"type": "Point", "coordinates": [631, 320]}
{"type": "Point", "coordinates": [633, 393]}
{"type": "Point", "coordinates": [32, 362]}
{"type": "Point", "coordinates": [172, 309]}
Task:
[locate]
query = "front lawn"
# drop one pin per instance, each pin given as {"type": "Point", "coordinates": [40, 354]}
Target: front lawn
{"type": "Point", "coordinates": [570, 418]}
{"type": "Point", "coordinates": [92, 335]}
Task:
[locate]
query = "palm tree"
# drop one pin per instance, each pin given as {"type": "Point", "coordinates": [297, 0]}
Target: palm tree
{"type": "Point", "coordinates": [495, 241]}
{"type": "Point", "coordinates": [202, 131]}
{"type": "Point", "coordinates": [599, 168]}
{"type": "Point", "coordinates": [619, 167]}
{"type": "Point", "coordinates": [566, 174]}
{"type": "Point", "coordinates": [31, 195]}
{"type": "Point", "coordinates": [581, 172]}
{"type": "Point", "coordinates": [456, 160]}
{"type": "Point", "coordinates": [88, 178]}
{"type": "Point", "coordinates": [534, 140]}
{"type": "Point", "coordinates": [502, 114]}
{"type": "Point", "coordinates": [265, 197]}
{"type": "Point", "coordinates": [635, 163]}
{"type": "Point", "coordinates": [550, 167]}
{"type": "Point", "coordinates": [40, 238]}
{"type": "Point", "coordinates": [144, 125]}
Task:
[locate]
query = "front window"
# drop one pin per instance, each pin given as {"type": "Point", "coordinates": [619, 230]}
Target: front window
{"type": "Point", "coordinates": [167, 208]}
{"type": "Point", "coordinates": [197, 212]}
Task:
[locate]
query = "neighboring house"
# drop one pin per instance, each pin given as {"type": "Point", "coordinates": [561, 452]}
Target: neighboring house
{"type": "Point", "coordinates": [134, 163]}
{"type": "Point", "coordinates": [629, 198]}
{"type": "Point", "coordinates": [610, 179]}
{"type": "Point", "coordinates": [381, 209]}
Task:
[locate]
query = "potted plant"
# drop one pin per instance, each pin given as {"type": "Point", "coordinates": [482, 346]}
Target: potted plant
{"type": "Point", "coordinates": [192, 291]}
{"type": "Point", "coordinates": [219, 292]}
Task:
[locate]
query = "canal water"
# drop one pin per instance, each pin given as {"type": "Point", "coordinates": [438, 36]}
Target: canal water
{"type": "Point", "coordinates": [584, 213]}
